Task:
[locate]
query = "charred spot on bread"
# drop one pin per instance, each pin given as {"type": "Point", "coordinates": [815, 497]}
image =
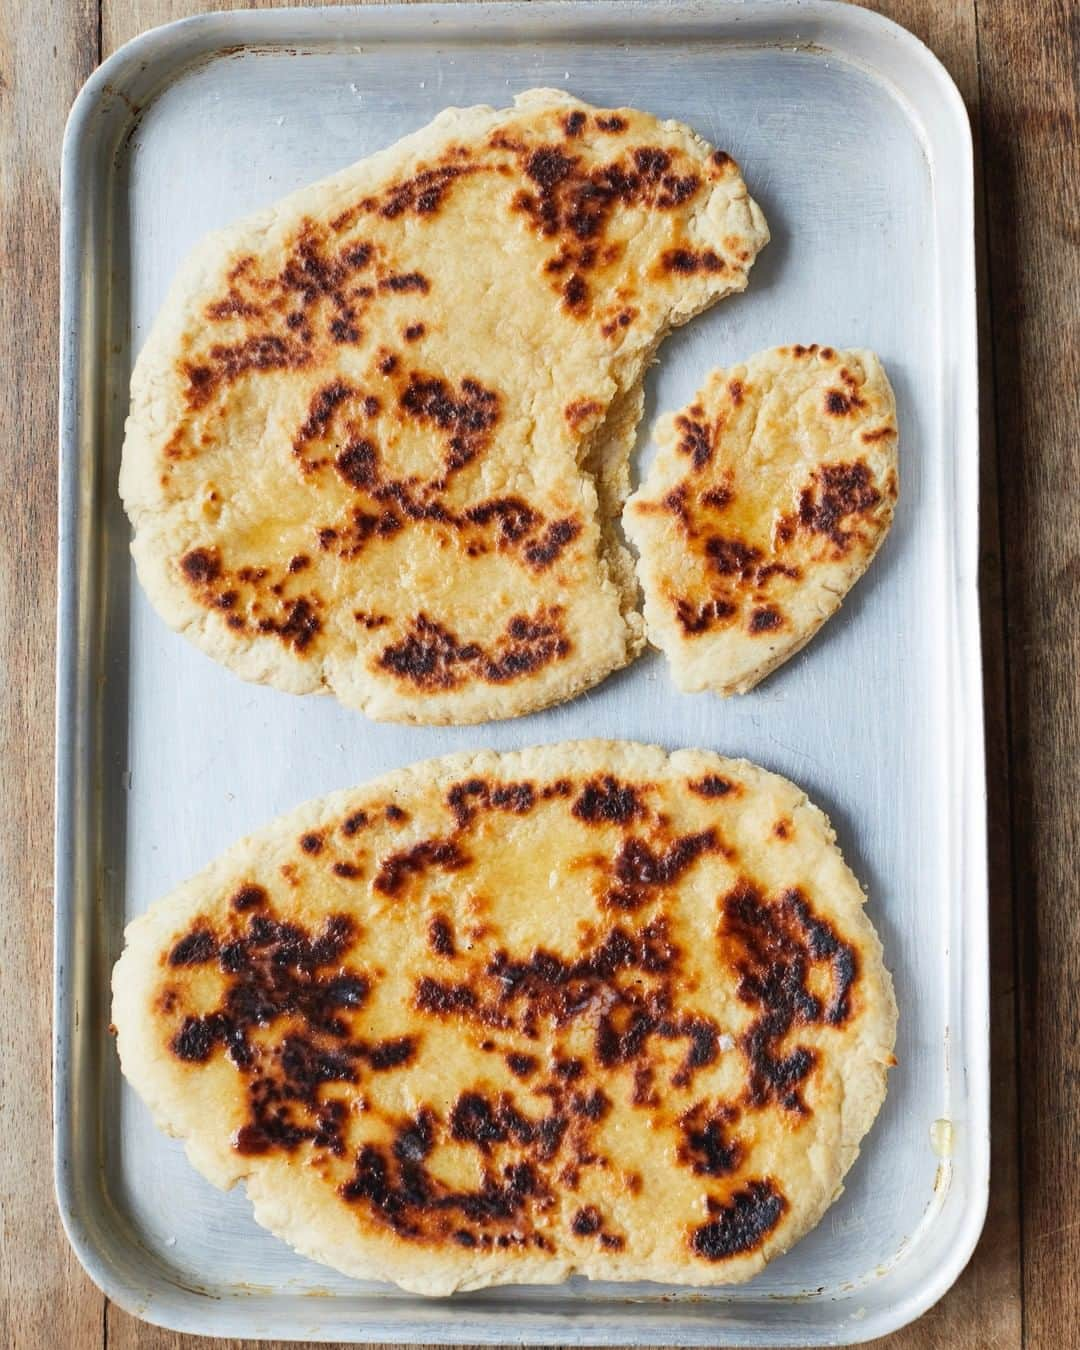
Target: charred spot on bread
{"type": "Point", "coordinates": [687, 262]}
{"type": "Point", "coordinates": [765, 619]}
{"type": "Point", "coordinates": [713, 785]}
{"type": "Point", "coordinates": [837, 494]}
{"type": "Point", "coordinates": [605, 800]}
{"type": "Point", "coordinates": [582, 410]}
{"type": "Point", "coordinates": [431, 656]}
{"type": "Point", "coordinates": [639, 869]}
{"type": "Point", "coordinates": [273, 970]}
{"type": "Point", "coordinates": [194, 949]}
{"type": "Point", "coordinates": [542, 552]}
{"type": "Point", "coordinates": [697, 619]}
{"type": "Point", "coordinates": [201, 565]}
{"type": "Point", "coordinates": [441, 936]}
{"type": "Point", "coordinates": [467, 798]}
{"type": "Point", "coordinates": [707, 1146]}
{"type": "Point", "coordinates": [773, 946]}
{"type": "Point", "coordinates": [444, 855]}
{"type": "Point", "coordinates": [695, 440]}
{"type": "Point", "coordinates": [741, 1224]}
{"type": "Point", "coordinates": [401, 282]}
{"type": "Point", "coordinates": [522, 1065]}
{"type": "Point", "coordinates": [840, 402]}
{"type": "Point", "coordinates": [249, 896]}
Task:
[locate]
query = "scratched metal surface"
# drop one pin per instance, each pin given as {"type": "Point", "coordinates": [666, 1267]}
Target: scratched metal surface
{"type": "Point", "coordinates": [856, 145]}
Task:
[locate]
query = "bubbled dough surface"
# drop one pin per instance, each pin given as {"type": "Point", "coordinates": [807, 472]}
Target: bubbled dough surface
{"type": "Point", "coordinates": [529, 878]}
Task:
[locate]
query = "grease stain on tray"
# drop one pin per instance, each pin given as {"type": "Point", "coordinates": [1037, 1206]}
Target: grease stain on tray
{"type": "Point", "coordinates": [941, 1137]}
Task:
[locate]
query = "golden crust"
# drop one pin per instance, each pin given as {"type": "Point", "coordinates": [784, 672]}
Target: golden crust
{"type": "Point", "coordinates": [369, 427]}
{"type": "Point", "coordinates": [586, 1008]}
{"type": "Point", "coordinates": [770, 495]}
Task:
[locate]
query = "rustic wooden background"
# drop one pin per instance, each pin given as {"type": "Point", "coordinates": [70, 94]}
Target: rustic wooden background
{"type": "Point", "coordinates": [1016, 63]}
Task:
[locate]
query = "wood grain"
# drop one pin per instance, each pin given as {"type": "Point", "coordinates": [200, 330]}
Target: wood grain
{"type": "Point", "coordinates": [1017, 72]}
{"type": "Point", "coordinates": [1030, 63]}
{"type": "Point", "coordinates": [44, 57]}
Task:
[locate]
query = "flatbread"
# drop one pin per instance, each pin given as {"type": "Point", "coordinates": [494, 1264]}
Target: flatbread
{"type": "Point", "coordinates": [768, 499]}
{"type": "Point", "coordinates": [364, 435]}
{"type": "Point", "coordinates": [585, 1008]}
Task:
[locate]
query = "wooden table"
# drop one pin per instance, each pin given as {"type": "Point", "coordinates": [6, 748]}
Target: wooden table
{"type": "Point", "coordinates": [1015, 62]}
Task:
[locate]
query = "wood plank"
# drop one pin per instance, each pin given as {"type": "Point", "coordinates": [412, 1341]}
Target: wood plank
{"type": "Point", "coordinates": [984, 1308]}
{"type": "Point", "coordinates": [1030, 61]}
{"type": "Point", "coordinates": [128, 1333]}
{"type": "Point", "coordinates": [45, 54]}
{"type": "Point", "coordinates": [121, 20]}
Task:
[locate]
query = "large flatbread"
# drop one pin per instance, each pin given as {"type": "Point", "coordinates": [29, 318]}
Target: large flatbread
{"type": "Point", "coordinates": [768, 499]}
{"type": "Point", "coordinates": [586, 1008]}
{"type": "Point", "coordinates": [377, 431]}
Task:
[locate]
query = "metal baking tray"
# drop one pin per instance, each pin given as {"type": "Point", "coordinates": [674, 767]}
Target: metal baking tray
{"type": "Point", "coordinates": [857, 145]}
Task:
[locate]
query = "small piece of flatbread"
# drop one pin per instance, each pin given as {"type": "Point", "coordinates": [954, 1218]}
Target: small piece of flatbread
{"type": "Point", "coordinates": [769, 497]}
{"type": "Point", "coordinates": [503, 1018]}
{"type": "Point", "coordinates": [376, 433]}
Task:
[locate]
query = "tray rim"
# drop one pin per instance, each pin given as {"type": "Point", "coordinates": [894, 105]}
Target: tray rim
{"type": "Point", "coordinates": [205, 36]}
